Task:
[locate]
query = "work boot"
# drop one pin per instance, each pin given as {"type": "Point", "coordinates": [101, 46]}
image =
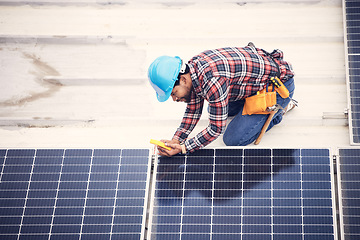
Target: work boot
{"type": "Point", "coordinates": [292, 104]}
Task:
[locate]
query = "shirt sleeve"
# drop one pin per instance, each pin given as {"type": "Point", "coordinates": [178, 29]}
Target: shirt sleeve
{"type": "Point", "coordinates": [191, 117]}
{"type": "Point", "coordinates": [217, 95]}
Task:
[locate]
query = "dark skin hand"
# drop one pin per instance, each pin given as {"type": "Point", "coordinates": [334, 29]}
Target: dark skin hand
{"type": "Point", "coordinates": [173, 144]}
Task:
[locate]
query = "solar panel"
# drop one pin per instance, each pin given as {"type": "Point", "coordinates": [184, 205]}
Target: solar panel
{"type": "Point", "coordinates": [349, 191]}
{"type": "Point", "coordinates": [73, 193]}
{"type": "Point", "coordinates": [245, 194]}
{"type": "Point", "coordinates": [352, 49]}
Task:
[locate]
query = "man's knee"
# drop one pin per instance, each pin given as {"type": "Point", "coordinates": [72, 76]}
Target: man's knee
{"type": "Point", "coordinates": [230, 140]}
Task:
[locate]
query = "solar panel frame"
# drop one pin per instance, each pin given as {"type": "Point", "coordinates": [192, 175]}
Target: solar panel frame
{"type": "Point", "coordinates": [177, 212]}
{"type": "Point", "coordinates": [31, 178]}
{"type": "Point", "coordinates": [351, 21]}
{"type": "Point", "coordinates": [349, 158]}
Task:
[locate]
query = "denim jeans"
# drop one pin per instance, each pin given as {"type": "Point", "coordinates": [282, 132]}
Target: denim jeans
{"type": "Point", "coordinates": [244, 129]}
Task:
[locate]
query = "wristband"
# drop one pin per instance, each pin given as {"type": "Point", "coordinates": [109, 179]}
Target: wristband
{"type": "Point", "coordinates": [183, 148]}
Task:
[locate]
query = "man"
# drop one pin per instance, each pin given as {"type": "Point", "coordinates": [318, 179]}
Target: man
{"type": "Point", "coordinates": [224, 77]}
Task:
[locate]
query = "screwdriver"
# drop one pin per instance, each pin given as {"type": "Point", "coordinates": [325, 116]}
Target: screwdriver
{"type": "Point", "coordinates": [280, 87]}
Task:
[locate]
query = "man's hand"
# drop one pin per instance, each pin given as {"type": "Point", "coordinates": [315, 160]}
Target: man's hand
{"type": "Point", "coordinates": [173, 144]}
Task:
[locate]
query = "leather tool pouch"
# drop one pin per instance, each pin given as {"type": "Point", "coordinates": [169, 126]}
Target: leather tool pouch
{"type": "Point", "coordinates": [257, 104]}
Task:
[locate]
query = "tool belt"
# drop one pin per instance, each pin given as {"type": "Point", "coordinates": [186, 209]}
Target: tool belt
{"type": "Point", "coordinates": [266, 98]}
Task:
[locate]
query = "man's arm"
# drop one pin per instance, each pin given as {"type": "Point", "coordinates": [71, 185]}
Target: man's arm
{"type": "Point", "coordinates": [191, 118]}
{"type": "Point", "coordinates": [217, 95]}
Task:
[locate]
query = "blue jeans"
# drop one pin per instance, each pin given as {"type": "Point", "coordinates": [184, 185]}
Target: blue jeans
{"type": "Point", "coordinates": [244, 129]}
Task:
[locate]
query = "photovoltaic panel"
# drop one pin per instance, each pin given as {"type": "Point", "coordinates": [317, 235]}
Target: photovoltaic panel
{"type": "Point", "coordinates": [352, 49]}
{"type": "Point", "coordinates": [244, 194]}
{"type": "Point", "coordinates": [349, 191]}
{"type": "Point", "coordinates": [73, 193]}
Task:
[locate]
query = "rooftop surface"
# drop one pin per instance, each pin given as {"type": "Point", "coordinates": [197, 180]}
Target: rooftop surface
{"type": "Point", "coordinates": [74, 75]}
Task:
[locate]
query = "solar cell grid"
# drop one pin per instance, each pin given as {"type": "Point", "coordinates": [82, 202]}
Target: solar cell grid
{"type": "Point", "coordinates": [73, 193]}
{"type": "Point", "coordinates": [244, 194]}
{"type": "Point", "coordinates": [349, 179]}
{"type": "Point", "coordinates": [213, 194]}
{"type": "Point", "coordinates": [352, 43]}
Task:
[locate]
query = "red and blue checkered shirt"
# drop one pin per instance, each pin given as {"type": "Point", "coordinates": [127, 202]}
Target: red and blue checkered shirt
{"type": "Point", "coordinates": [221, 76]}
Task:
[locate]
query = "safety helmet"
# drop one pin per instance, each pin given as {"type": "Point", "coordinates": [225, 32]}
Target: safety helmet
{"type": "Point", "coordinates": [163, 73]}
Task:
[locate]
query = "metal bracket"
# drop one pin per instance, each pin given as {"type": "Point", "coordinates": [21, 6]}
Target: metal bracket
{"type": "Point", "coordinates": [335, 115]}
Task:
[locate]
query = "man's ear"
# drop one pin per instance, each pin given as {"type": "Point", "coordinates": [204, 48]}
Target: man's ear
{"type": "Point", "coordinates": [185, 78]}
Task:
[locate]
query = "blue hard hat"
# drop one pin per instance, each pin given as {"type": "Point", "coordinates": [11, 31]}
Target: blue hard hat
{"type": "Point", "coordinates": [163, 73]}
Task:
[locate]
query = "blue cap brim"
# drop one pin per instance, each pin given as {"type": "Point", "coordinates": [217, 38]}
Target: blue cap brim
{"type": "Point", "coordinates": [163, 98]}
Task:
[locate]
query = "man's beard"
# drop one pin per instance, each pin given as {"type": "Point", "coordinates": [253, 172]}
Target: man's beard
{"type": "Point", "coordinates": [187, 97]}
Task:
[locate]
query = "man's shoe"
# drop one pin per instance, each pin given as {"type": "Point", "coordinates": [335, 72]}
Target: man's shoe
{"type": "Point", "coordinates": [292, 104]}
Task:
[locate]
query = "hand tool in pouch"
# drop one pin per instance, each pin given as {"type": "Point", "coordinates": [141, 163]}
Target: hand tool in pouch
{"type": "Point", "coordinates": [280, 87]}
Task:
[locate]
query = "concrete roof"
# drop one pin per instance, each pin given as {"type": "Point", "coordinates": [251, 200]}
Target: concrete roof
{"type": "Point", "coordinates": [74, 76]}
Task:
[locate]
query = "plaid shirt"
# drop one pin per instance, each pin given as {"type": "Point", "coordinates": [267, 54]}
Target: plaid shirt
{"type": "Point", "coordinates": [223, 75]}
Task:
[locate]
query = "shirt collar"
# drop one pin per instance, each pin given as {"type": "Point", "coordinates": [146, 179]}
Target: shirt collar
{"type": "Point", "coordinates": [195, 80]}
